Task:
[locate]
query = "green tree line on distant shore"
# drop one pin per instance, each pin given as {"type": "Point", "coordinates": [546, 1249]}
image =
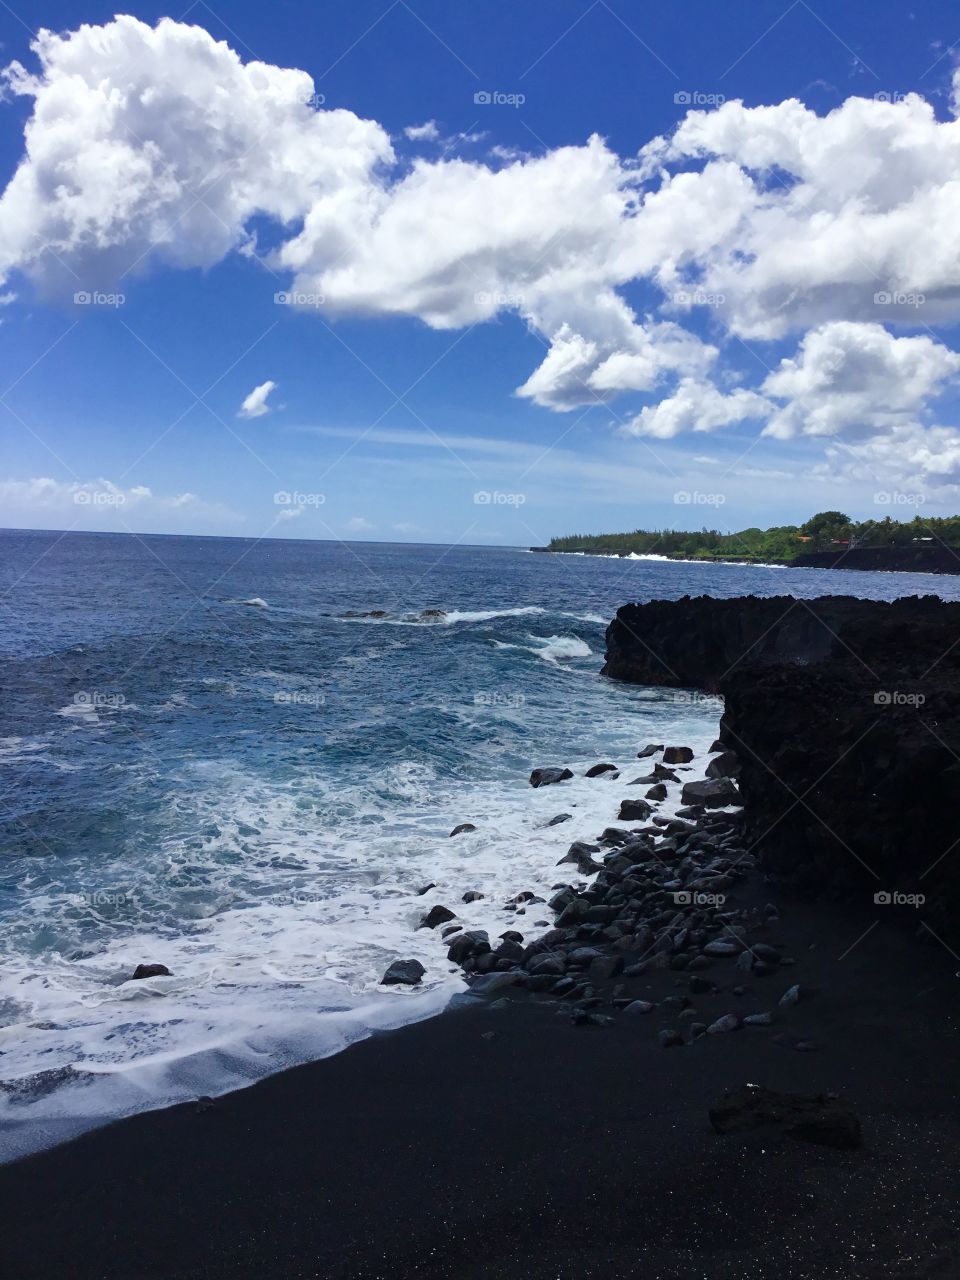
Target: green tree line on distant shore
{"type": "Point", "coordinates": [826, 531]}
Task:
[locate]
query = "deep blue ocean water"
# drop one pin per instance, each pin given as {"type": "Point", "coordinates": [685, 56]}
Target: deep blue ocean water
{"type": "Point", "coordinates": [204, 763]}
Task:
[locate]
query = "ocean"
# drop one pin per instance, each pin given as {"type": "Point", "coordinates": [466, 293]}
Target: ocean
{"type": "Point", "coordinates": [242, 760]}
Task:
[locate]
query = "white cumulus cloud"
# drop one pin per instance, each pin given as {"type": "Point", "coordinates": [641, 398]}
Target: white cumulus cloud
{"type": "Point", "coordinates": [856, 380]}
{"type": "Point", "coordinates": [158, 145]}
{"type": "Point", "coordinates": [256, 404]}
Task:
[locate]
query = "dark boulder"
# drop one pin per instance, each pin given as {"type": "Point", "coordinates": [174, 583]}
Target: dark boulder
{"type": "Point", "coordinates": [405, 973]}
{"type": "Point", "coordinates": [650, 749]}
{"type": "Point", "coordinates": [581, 855]}
{"type": "Point", "coordinates": [820, 1118]}
{"type": "Point", "coordinates": [677, 755]}
{"type": "Point", "coordinates": [151, 971]}
{"type": "Point", "coordinates": [712, 792]}
{"type": "Point", "coordinates": [662, 774]}
{"type": "Point", "coordinates": [436, 915]}
{"type": "Point", "coordinates": [658, 792]}
{"type": "Point", "coordinates": [464, 826]}
{"type": "Point", "coordinates": [597, 769]}
{"type": "Point", "coordinates": [604, 967]}
{"type": "Point", "coordinates": [472, 895]}
{"type": "Point", "coordinates": [725, 765]}
{"type": "Point", "coordinates": [634, 810]}
{"type": "Point", "coordinates": [544, 777]}
{"type": "Point", "coordinates": [465, 945]}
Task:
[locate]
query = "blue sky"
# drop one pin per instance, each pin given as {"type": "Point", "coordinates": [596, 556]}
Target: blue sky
{"type": "Point", "coordinates": [396, 410]}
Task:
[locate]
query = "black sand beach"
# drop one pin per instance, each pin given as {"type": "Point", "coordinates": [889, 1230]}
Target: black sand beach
{"type": "Point", "coordinates": [502, 1140]}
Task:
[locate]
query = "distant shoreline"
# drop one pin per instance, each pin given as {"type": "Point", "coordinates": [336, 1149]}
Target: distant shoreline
{"type": "Point", "coordinates": [939, 559]}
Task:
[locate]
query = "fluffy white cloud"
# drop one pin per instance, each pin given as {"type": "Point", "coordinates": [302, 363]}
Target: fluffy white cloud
{"type": "Point", "coordinates": [256, 404]}
{"type": "Point", "coordinates": [423, 132]}
{"type": "Point", "coordinates": [697, 406]}
{"type": "Point", "coordinates": [856, 380]}
{"type": "Point", "coordinates": [359, 524]}
{"type": "Point", "coordinates": [851, 215]}
{"type": "Point", "coordinates": [159, 144]}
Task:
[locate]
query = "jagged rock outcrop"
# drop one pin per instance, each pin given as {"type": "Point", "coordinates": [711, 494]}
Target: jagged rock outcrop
{"type": "Point", "coordinates": [845, 717]}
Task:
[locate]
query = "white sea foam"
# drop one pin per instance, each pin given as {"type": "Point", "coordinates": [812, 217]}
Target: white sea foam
{"type": "Point", "coordinates": [288, 910]}
{"type": "Point", "coordinates": [661, 559]}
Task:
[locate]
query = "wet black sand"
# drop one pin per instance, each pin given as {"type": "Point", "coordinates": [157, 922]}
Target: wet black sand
{"type": "Point", "coordinates": [502, 1141]}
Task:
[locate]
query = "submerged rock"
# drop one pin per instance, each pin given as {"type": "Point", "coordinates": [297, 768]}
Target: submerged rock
{"type": "Point", "coordinates": [580, 854]}
{"type": "Point", "coordinates": [403, 973]}
{"type": "Point", "coordinates": [436, 915]}
{"type": "Point", "coordinates": [463, 827]}
{"type": "Point", "coordinates": [558, 818]}
{"type": "Point", "coordinates": [545, 776]}
{"type": "Point", "coordinates": [151, 971]}
{"type": "Point", "coordinates": [650, 749]}
{"type": "Point", "coordinates": [662, 774]}
{"type": "Point", "coordinates": [597, 769]}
